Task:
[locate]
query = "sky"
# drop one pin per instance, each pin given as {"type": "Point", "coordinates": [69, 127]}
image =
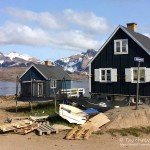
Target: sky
{"type": "Point", "coordinates": [54, 29]}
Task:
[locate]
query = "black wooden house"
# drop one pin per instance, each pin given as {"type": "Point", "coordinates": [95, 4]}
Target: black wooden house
{"type": "Point", "coordinates": [113, 70]}
{"type": "Point", "coordinates": [41, 82]}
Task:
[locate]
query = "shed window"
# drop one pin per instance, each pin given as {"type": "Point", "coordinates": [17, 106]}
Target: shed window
{"type": "Point", "coordinates": [121, 46]}
{"type": "Point", "coordinates": [53, 84]}
{"type": "Point", "coordinates": [40, 89]}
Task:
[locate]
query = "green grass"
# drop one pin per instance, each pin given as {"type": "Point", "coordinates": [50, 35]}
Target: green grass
{"type": "Point", "coordinates": [41, 109]}
{"type": "Point", "coordinates": [130, 131]}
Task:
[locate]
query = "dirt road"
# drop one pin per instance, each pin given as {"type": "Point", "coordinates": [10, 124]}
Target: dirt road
{"type": "Point", "coordinates": [56, 142]}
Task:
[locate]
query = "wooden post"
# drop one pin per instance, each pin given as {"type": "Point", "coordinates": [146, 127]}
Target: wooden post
{"type": "Point", "coordinates": [17, 80]}
{"type": "Point", "coordinates": [31, 94]}
{"type": "Point", "coordinates": [137, 90]}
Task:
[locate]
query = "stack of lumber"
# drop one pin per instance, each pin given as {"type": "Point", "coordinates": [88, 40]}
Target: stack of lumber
{"type": "Point", "coordinates": [15, 125]}
{"type": "Point", "coordinates": [85, 130]}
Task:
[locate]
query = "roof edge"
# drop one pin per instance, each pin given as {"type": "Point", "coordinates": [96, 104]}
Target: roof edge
{"type": "Point", "coordinates": [29, 69]}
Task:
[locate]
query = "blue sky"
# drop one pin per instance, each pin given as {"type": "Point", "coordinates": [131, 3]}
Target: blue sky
{"type": "Point", "coordinates": [52, 29]}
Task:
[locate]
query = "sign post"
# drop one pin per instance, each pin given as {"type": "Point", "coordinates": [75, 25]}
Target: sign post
{"type": "Point", "coordinates": [139, 60]}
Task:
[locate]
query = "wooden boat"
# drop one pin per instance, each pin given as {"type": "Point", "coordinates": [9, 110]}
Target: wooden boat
{"type": "Point", "coordinates": [72, 114]}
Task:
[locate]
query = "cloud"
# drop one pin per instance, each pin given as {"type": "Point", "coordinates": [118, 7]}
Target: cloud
{"type": "Point", "coordinates": [44, 19]}
{"type": "Point", "coordinates": [15, 33]}
{"type": "Point", "coordinates": [88, 20]}
{"type": "Point", "coordinates": [64, 30]}
{"type": "Point", "coordinates": [147, 34]}
{"type": "Point", "coordinates": [85, 20]}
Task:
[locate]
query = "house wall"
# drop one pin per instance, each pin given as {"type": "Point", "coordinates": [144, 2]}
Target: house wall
{"type": "Point", "coordinates": [107, 59]}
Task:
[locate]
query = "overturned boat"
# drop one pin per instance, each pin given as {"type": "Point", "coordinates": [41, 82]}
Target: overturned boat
{"type": "Point", "coordinates": [73, 114]}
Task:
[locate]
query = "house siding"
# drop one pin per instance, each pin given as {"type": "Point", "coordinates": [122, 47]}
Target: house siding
{"type": "Point", "coordinates": [107, 59]}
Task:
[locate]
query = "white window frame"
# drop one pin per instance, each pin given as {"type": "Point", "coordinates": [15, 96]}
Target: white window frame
{"type": "Point", "coordinates": [53, 84]}
{"type": "Point", "coordinates": [132, 76]}
{"type": "Point", "coordinates": [121, 46]}
{"type": "Point", "coordinates": [40, 85]}
{"type": "Point", "coordinates": [105, 75]}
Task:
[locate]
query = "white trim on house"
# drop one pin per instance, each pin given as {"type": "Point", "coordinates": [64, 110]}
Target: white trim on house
{"type": "Point", "coordinates": [29, 69]}
{"type": "Point", "coordinates": [103, 78]}
{"type": "Point", "coordinates": [121, 46]}
{"type": "Point", "coordinates": [119, 27]}
{"type": "Point", "coordinates": [130, 74]}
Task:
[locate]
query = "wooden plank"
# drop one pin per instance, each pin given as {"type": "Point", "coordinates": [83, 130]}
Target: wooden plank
{"type": "Point", "coordinates": [27, 129]}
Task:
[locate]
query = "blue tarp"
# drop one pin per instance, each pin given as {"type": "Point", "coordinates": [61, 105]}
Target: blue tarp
{"type": "Point", "coordinates": [91, 111]}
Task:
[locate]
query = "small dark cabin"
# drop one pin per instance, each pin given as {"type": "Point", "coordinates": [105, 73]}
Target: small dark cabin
{"type": "Point", "coordinates": [43, 81]}
{"type": "Point", "coordinates": [113, 70]}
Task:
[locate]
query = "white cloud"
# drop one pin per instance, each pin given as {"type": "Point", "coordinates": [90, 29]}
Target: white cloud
{"type": "Point", "coordinates": [15, 33]}
{"type": "Point", "coordinates": [44, 19]}
{"type": "Point", "coordinates": [88, 20]}
{"type": "Point", "coordinates": [147, 34]}
{"type": "Point", "coordinates": [64, 30]}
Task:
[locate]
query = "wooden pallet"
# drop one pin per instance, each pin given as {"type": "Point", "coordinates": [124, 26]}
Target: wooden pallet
{"type": "Point", "coordinates": [85, 130]}
{"type": "Point", "coordinates": [27, 129]}
{"type": "Point", "coordinates": [45, 128]}
{"type": "Point", "coordinates": [79, 133]}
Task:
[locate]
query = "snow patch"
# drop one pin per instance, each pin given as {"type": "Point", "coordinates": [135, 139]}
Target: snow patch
{"type": "Point", "coordinates": [13, 55]}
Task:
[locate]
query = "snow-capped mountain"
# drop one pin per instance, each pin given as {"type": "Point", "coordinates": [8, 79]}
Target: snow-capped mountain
{"type": "Point", "coordinates": [15, 59]}
{"type": "Point", "coordinates": [76, 63]}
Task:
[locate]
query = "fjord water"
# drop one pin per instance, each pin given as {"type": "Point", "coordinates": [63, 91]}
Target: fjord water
{"type": "Point", "coordinates": [9, 88]}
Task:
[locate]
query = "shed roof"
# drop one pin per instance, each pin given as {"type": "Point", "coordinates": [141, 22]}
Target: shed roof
{"type": "Point", "coordinates": [50, 72]}
{"type": "Point", "coordinates": [54, 72]}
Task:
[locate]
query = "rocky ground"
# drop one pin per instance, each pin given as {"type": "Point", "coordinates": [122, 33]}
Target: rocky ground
{"type": "Point", "coordinates": [101, 140]}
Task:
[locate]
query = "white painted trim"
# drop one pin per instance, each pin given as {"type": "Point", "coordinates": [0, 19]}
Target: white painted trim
{"type": "Point", "coordinates": [120, 41]}
{"type": "Point", "coordinates": [105, 69]}
{"type": "Point", "coordinates": [136, 68]}
{"type": "Point", "coordinates": [52, 84]}
{"type": "Point", "coordinates": [29, 69]}
{"type": "Point", "coordinates": [110, 39]}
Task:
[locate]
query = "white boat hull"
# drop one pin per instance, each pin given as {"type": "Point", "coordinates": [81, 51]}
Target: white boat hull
{"type": "Point", "coordinates": [72, 114]}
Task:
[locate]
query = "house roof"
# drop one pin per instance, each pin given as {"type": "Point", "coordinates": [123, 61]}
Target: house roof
{"type": "Point", "coordinates": [49, 72]}
{"type": "Point", "coordinates": [140, 39]}
{"type": "Point", "coordinates": [144, 40]}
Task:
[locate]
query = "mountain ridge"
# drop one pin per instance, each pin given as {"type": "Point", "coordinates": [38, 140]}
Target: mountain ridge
{"type": "Point", "coordinates": [74, 63]}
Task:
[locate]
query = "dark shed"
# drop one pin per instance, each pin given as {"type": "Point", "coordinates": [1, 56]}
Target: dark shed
{"type": "Point", "coordinates": [43, 81]}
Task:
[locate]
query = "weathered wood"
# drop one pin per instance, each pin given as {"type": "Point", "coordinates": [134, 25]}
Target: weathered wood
{"type": "Point", "coordinates": [27, 129]}
{"type": "Point", "coordinates": [14, 125]}
{"type": "Point", "coordinates": [45, 129]}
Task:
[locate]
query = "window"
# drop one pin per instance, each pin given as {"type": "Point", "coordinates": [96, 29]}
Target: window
{"type": "Point", "coordinates": [131, 75]}
{"type": "Point", "coordinates": [142, 75]}
{"type": "Point", "coordinates": [106, 75]}
{"type": "Point", "coordinates": [40, 89]}
{"type": "Point", "coordinates": [121, 46]}
{"type": "Point", "coordinates": [53, 83]}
